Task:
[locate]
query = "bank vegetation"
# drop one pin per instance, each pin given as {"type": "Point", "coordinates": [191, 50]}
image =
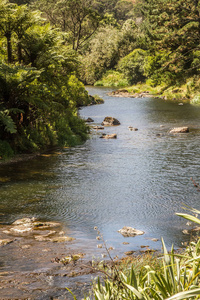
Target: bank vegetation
{"type": "Point", "coordinates": [50, 49]}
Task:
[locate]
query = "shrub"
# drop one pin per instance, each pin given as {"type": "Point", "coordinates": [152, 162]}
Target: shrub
{"type": "Point", "coordinates": [5, 150]}
{"type": "Point", "coordinates": [132, 66]}
{"type": "Point", "coordinates": [113, 78]}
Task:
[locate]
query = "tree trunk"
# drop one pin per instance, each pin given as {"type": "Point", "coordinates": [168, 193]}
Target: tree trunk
{"type": "Point", "coordinates": [19, 52]}
{"type": "Point", "coordinates": [9, 47]}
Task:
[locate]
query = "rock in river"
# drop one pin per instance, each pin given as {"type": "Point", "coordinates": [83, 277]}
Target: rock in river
{"type": "Point", "coordinates": [89, 120]}
{"type": "Point", "coordinates": [179, 130]}
{"type": "Point", "coordinates": [98, 127]}
{"type": "Point", "coordinates": [109, 136]}
{"type": "Point", "coordinates": [132, 128]}
{"type": "Point", "coordinates": [110, 121]}
{"type": "Point", "coordinates": [5, 242]}
{"type": "Point", "coordinates": [28, 226]}
{"type": "Point", "coordinates": [129, 231]}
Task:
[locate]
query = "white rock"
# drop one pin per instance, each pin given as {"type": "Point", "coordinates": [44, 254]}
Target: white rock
{"type": "Point", "coordinates": [129, 231]}
{"type": "Point", "coordinates": [179, 130]}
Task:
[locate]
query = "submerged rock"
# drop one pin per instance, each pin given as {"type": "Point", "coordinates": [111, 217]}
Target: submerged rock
{"type": "Point", "coordinates": [154, 239]}
{"type": "Point", "coordinates": [109, 136]}
{"type": "Point", "coordinates": [5, 242]}
{"type": "Point", "coordinates": [179, 130]}
{"type": "Point", "coordinates": [45, 225]}
{"type": "Point", "coordinates": [132, 128]}
{"type": "Point", "coordinates": [148, 251]}
{"type": "Point", "coordinates": [67, 259]}
{"type": "Point", "coordinates": [61, 239]}
{"type": "Point", "coordinates": [110, 121]}
{"type": "Point", "coordinates": [129, 252]}
{"type": "Point", "coordinates": [20, 229]}
{"type": "Point", "coordinates": [89, 120]}
{"type": "Point", "coordinates": [29, 226]}
{"type": "Point", "coordinates": [129, 231]}
{"type": "Point", "coordinates": [98, 127]}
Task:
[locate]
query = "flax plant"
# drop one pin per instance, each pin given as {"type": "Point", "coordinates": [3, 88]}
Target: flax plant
{"type": "Point", "coordinates": [179, 278]}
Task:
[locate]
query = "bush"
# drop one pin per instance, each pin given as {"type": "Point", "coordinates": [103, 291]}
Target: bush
{"type": "Point", "coordinates": [195, 100]}
{"type": "Point", "coordinates": [132, 66]}
{"type": "Point", "coordinates": [113, 78]}
{"type": "Point", "coordinates": [5, 150]}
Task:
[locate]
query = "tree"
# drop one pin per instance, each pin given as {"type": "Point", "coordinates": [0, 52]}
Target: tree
{"type": "Point", "coordinates": [102, 55]}
{"type": "Point", "coordinates": [7, 24]}
{"type": "Point", "coordinates": [24, 20]}
{"type": "Point", "coordinates": [76, 17]}
{"type": "Point", "coordinates": [133, 66]}
{"type": "Point", "coordinates": [174, 30]}
{"type": "Point", "coordinates": [39, 90]}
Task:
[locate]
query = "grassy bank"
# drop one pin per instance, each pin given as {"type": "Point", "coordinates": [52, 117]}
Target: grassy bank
{"type": "Point", "coordinates": [186, 92]}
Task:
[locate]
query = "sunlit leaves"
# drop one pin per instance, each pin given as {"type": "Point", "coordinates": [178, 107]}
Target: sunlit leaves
{"type": "Point", "coordinates": [38, 92]}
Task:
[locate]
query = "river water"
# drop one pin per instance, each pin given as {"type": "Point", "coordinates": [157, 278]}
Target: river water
{"type": "Point", "coordinates": [140, 179]}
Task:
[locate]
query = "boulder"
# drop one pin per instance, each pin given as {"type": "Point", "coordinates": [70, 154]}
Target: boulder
{"type": "Point", "coordinates": [109, 136]}
{"type": "Point", "coordinates": [110, 121]}
{"type": "Point", "coordinates": [129, 231]}
{"type": "Point", "coordinates": [179, 130]}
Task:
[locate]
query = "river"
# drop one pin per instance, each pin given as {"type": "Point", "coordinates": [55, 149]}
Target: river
{"type": "Point", "coordinates": [140, 179]}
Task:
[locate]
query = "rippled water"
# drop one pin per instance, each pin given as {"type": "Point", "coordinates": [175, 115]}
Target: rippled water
{"type": "Point", "coordinates": [138, 180]}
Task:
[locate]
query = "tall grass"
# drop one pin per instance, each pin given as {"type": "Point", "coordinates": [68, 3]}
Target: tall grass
{"type": "Point", "coordinates": [178, 278]}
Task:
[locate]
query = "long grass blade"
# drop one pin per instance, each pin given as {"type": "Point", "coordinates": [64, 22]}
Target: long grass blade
{"type": "Point", "coordinates": [185, 294]}
{"type": "Point", "coordinates": [189, 217]}
{"type": "Point", "coordinates": [71, 293]}
{"type": "Point", "coordinates": [134, 291]}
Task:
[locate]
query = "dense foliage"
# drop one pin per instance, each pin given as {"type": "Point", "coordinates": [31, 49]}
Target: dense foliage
{"type": "Point", "coordinates": [39, 88]}
{"type": "Point", "coordinates": [46, 54]}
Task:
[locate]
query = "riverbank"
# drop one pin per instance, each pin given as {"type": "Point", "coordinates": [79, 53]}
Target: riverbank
{"type": "Point", "coordinates": [39, 261]}
{"type": "Point", "coordinates": [188, 92]}
{"type": "Point", "coordinates": [46, 263]}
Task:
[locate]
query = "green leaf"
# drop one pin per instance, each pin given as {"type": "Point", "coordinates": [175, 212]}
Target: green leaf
{"type": "Point", "coordinates": [185, 294]}
{"type": "Point", "coordinates": [136, 292]}
{"type": "Point", "coordinates": [189, 217]}
{"type": "Point", "coordinates": [71, 293]}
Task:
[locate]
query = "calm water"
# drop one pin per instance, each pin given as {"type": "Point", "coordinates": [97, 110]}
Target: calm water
{"type": "Point", "coordinates": [138, 180]}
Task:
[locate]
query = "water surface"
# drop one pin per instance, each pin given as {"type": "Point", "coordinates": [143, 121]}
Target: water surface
{"type": "Point", "coordinates": [140, 179]}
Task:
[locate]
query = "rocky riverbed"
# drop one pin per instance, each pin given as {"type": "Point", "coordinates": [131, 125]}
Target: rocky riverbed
{"type": "Point", "coordinates": [39, 261]}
